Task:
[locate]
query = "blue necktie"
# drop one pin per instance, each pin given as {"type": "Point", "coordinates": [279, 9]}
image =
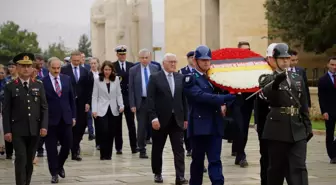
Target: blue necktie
{"type": "Point", "coordinates": [146, 76]}
{"type": "Point", "coordinates": [76, 74]}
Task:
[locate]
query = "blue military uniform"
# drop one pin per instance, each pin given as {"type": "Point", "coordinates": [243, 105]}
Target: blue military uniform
{"type": "Point", "coordinates": [205, 128]}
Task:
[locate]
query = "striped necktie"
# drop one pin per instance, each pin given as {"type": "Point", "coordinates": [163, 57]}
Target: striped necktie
{"type": "Point", "coordinates": [57, 88]}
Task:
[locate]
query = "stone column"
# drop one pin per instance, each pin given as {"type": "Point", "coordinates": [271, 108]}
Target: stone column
{"type": "Point", "coordinates": [98, 30]}
{"type": "Point", "coordinates": [145, 25]}
{"type": "Point", "coordinates": [111, 28]}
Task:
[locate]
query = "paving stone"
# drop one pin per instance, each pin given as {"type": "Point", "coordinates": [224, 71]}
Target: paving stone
{"type": "Point", "coordinates": [129, 169]}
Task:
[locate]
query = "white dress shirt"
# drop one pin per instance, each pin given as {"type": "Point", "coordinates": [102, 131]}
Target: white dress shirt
{"type": "Point", "coordinates": [77, 70]}
{"type": "Point", "coordinates": [53, 81]}
{"type": "Point", "coordinates": [22, 81]}
{"type": "Point", "coordinates": [144, 88]}
{"type": "Point", "coordinates": [95, 74]}
{"type": "Point", "coordinates": [122, 65]}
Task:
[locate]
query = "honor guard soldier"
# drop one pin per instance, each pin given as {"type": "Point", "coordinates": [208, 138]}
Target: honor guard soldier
{"type": "Point", "coordinates": [206, 124]}
{"type": "Point", "coordinates": [25, 114]}
{"type": "Point", "coordinates": [287, 128]}
{"type": "Point", "coordinates": [261, 109]}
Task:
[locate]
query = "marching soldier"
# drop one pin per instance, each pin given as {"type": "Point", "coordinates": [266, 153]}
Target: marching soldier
{"type": "Point", "coordinates": [25, 114]}
{"type": "Point", "coordinates": [261, 109]}
{"type": "Point", "coordinates": [287, 128]}
{"type": "Point", "coordinates": [206, 124]}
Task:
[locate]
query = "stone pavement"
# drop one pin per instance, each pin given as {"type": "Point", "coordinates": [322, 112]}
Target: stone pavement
{"type": "Point", "coordinates": [129, 169]}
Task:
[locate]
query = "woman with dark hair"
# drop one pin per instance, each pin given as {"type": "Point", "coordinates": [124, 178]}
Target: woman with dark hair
{"type": "Point", "coordinates": [107, 103]}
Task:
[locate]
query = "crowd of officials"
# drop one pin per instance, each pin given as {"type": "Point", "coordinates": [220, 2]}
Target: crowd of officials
{"type": "Point", "coordinates": [46, 103]}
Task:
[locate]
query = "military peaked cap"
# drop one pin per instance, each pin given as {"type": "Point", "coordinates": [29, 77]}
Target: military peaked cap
{"type": "Point", "coordinates": [24, 58]}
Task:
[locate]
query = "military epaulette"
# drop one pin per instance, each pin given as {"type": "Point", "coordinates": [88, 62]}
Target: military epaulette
{"type": "Point", "coordinates": [39, 81]}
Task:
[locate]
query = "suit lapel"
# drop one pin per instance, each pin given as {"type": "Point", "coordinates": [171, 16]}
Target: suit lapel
{"type": "Point", "coordinates": [165, 83]}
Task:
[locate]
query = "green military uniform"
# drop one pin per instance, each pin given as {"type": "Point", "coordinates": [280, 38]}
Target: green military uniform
{"type": "Point", "coordinates": [25, 112]}
{"type": "Point", "coordinates": [287, 128]}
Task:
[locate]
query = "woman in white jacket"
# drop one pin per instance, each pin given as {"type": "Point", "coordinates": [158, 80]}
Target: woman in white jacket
{"type": "Point", "coordinates": [107, 103]}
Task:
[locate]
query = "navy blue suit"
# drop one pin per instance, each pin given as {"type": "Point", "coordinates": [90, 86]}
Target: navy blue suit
{"type": "Point", "coordinates": [62, 111]}
{"type": "Point", "coordinates": [86, 66]}
{"type": "Point", "coordinates": [327, 101]}
{"type": "Point", "coordinates": [186, 70]}
{"type": "Point", "coordinates": [157, 64]}
{"type": "Point", "coordinates": [205, 128]}
{"type": "Point", "coordinates": [83, 95]}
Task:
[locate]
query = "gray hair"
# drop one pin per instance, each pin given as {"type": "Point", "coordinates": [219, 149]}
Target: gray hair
{"type": "Point", "coordinates": [165, 57]}
{"type": "Point", "coordinates": [50, 60]}
{"type": "Point", "coordinates": [94, 58]}
{"type": "Point", "coordinates": [144, 50]}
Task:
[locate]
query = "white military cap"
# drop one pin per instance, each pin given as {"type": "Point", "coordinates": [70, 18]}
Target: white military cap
{"type": "Point", "coordinates": [121, 49]}
{"type": "Point", "coordinates": [270, 48]}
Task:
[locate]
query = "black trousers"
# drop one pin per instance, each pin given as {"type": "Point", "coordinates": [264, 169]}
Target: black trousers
{"type": "Point", "coordinates": [143, 125]}
{"type": "Point", "coordinates": [159, 138]}
{"type": "Point", "coordinates": [62, 133]}
{"type": "Point", "coordinates": [9, 149]}
{"type": "Point", "coordinates": [107, 130]}
{"type": "Point", "coordinates": [79, 129]}
{"type": "Point", "coordinates": [40, 149]}
{"type": "Point", "coordinates": [97, 132]}
{"type": "Point", "coordinates": [330, 141]}
{"type": "Point", "coordinates": [25, 149]}
{"type": "Point", "coordinates": [263, 150]}
{"type": "Point", "coordinates": [129, 115]}
{"type": "Point", "coordinates": [287, 160]}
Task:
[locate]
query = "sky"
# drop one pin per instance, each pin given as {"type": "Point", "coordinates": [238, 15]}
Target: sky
{"type": "Point", "coordinates": [53, 20]}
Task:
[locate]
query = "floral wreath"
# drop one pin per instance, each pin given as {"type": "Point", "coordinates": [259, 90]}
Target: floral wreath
{"type": "Point", "coordinates": [237, 70]}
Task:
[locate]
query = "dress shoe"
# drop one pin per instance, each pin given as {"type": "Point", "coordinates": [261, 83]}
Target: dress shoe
{"type": "Point", "coordinates": [333, 160]}
{"type": "Point", "coordinates": [143, 156]}
{"type": "Point", "coordinates": [98, 147]}
{"type": "Point", "coordinates": [61, 173]}
{"type": "Point", "coordinates": [54, 179]}
{"type": "Point", "coordinates": [188, 153]}
{"type": "Point", "coordinates": [243, 163]}
{"type": "Point", "coordinates": [119, 152]}
{"type": "Point", "coordinates": [9, 157]}
{"type": "Point", "coordinates": [158, 178]}
{"type": "Point", "coordinates": [92, 137]}
{"type": "Point", "coordinates": [76, 158]}
{"type": "Point", "coordinates": [230, 141]}
{"type": "Point", "coordinates": [134, 151]}
{"type": "Point", "coordinates": [182, 180]}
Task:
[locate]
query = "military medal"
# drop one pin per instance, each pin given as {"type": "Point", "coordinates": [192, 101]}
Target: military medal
{"type": "Point", "coordinates": [35, 99]}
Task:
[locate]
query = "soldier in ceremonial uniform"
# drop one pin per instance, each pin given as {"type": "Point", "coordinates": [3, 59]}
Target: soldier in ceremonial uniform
{"type": "Point", "coordinates": [206, 124]}
{"type": "Point", "coordinates": [25, 114]}
{"type": "Point", "coordinates": [287, 128]}
{"type": "Point", "coordinates": [261, 109]}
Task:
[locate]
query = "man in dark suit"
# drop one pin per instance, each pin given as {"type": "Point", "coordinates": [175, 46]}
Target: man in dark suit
{"type": "Point", "coordinates": [168, 112]}
{"type": "Point", "coordinates": [62, 117]}
{"type": "Point", "coordinates": [327, 100]}
{"type": "Point", "coordinates": [299, 70]}
{"type": "Point", "coordinates": [82, 84]}
{"type": "Point", "coordinates": [122, 68]}
{"type": "Point", "coordinates": [137, 89]}
{"type": "Point", "coordinates": [25, 116]}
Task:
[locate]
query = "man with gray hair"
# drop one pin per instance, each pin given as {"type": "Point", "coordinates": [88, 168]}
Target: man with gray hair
{"type": "Point", "coordinates": [165, 97]}
{"type": "Point", "coordinates": [62, 117]}
{"type": "Point", "coordinates": [137, 89]}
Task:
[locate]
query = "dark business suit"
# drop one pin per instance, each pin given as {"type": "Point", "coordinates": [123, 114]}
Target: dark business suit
{"type": "Point", "coordinates": [62, 111]}
{"type": "Point", "coordinates": [136, 99]}
{"type": "Point", "coordinates": [171, 112]}
{"type": "Point", "coordinates": [327, 100]}
{"type": "Point", "coordinates": [302, 73]}
{"type": "Point", "coordinates": [25, 112]}
{"type": "Point", "coordinates": [83, 94]}
{"type": "Point", "coordinates": [86, 66]}
{"type": "Point", "coordinates": [129, 115]}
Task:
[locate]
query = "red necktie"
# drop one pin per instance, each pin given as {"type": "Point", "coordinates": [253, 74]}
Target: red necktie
{"type": "Point", "coordinates": [57, 88]}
